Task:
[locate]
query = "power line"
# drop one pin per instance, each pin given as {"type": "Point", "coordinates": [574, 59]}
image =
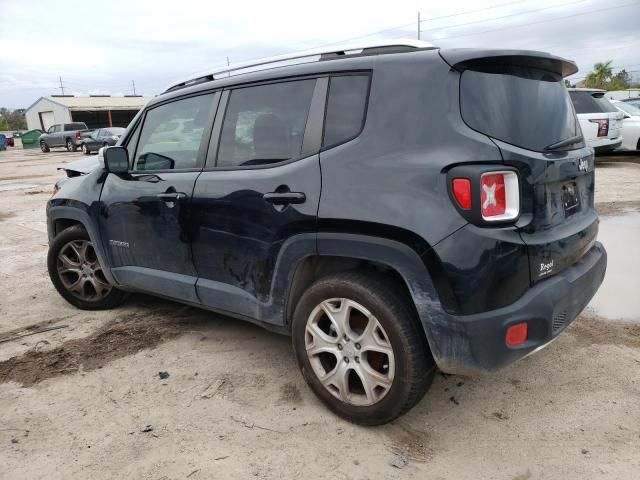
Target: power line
{"type": "Point", "coordinates": [421, 21]}
{"type": "Point", "coordinates": [509, 16]}
{"type": "Point", "coordinates": [539, 22]}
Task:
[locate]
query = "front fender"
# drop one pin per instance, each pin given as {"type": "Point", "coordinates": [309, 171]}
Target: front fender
{"type": "Point", "coordinates": [64, 212]}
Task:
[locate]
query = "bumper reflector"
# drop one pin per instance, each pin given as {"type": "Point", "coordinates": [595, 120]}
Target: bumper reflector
{"type": "Point", "coordinates": [516, 334]}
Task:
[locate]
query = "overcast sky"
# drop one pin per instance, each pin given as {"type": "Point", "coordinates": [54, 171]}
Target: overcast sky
{"type": "Point", "coordinates": [100, 47]}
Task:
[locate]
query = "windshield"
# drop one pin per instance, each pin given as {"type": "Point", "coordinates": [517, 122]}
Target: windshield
{"type": "Point", "coordinates": [523, 106]}
{"type": "Point", "coordinates": [628, 108]}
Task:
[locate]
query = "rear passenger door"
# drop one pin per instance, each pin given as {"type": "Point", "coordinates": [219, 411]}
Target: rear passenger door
{"type": "Point", "coordinates": [258, 193]}
{"type": "Point", "coordinates": [145, 214]}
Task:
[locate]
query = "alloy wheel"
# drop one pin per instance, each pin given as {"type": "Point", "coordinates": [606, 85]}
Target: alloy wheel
{"type": "Point", "coordinates": [80, 271]}
{"type": "Point", "coordinates": [349, 351]}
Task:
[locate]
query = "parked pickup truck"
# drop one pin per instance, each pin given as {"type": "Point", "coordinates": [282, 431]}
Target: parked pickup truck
{"type": "Point", "coordinates": [64, 135]}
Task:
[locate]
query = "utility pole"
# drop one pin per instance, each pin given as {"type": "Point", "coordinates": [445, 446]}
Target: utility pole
{"type": "Point", "coordinates": [61, 87]}
{"type": "Point", "coordinates": [418, 25]}
{"type": "Point", "coordinates": [133, 84]}
{"type": "Point", "coordinates": [228, 62]}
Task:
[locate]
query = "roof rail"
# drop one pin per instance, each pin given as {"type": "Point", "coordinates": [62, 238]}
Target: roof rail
{"type": "Point", "coordinates": [304, 56]}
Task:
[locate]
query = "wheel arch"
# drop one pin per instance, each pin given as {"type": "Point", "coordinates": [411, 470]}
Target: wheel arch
{"type": "Point", "coordinates": [60, 218]}
{"type": "Point", "coordinates": [337, 252]}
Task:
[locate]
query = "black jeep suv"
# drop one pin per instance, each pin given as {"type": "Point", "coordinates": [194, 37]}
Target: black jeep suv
{"type": "Point", "coordinates": [394, 209]}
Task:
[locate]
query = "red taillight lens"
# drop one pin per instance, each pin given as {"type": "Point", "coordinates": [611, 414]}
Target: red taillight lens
{"type": "Point", "coordinates": [462, 191]}
{"type": "Point", "coordinates": [492, 196]}
{"type": "Point", "coordinates": [78, 135]}
{"type": "Point", "coordinates": [603, 126]}
{"type": "Point", "coordinates": [499, 196]}
{"type": "Point", "coordinates": [516, 334]}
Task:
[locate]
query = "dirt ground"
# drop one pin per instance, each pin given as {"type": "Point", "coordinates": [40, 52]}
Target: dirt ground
{"type": "Point", "coordinates": [84, 398]}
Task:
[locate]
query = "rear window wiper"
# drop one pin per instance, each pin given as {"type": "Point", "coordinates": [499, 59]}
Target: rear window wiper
{"type": "Point", "coordinates": [564, 143]}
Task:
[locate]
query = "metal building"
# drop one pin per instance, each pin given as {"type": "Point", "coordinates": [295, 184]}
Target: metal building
{"type": "Point", "coordinates": [96, 110]}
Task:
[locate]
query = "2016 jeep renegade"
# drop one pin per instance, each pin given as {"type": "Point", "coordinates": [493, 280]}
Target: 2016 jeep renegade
{"type": "Point", "coordinates": [392, 208]}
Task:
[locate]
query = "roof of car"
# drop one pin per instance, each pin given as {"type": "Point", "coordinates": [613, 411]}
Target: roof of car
{"type": "Point", "coordinates": [573, 89]}
{"type": "Point", "coordinates": [302, 57]}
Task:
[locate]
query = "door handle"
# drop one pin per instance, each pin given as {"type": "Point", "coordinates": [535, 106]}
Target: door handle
{"type": "Point", "coordinates": [171, 196]}
{"type": "Point", "coordinates": [284, 198]}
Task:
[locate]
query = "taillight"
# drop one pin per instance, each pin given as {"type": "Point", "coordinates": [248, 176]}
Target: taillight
{"type": "Point", "coordinates": [78, 135]}
{"type": "Point", "coordinates": [603, 126]}
{"type": "Point", "coordinates": [499, 196]}
{"type": "Point", "coordinates": [462, 191]}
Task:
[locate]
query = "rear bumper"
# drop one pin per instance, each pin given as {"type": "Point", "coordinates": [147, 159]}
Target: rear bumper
{"type": "Point", "coordinates": [468, 344]}
{"type": "Point", "coordinates": [606, 145]}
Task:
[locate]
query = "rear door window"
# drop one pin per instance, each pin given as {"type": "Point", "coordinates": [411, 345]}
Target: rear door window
{"type": "Point", "coordinates": [346, 108]}
{"type": "Point", "coordinates": [171, 135]}
{"type": "Point", "coordinates": [265, 124]}
{"type": "Point", "coordinates": [523, 106]}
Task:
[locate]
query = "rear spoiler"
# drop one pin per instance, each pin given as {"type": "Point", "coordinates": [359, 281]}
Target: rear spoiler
{"type": "Point", "coordinates": [467, 58]}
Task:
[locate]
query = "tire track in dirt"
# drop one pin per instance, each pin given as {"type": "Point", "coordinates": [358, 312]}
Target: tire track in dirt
{"type": "Point", "coordinates": [117, 339]}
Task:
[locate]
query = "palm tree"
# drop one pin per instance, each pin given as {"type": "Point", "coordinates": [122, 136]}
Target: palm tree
{"type": "Point", "coordinates": [600, 76]}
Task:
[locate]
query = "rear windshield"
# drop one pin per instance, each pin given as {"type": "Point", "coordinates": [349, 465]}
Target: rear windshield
{"type": "Point", "coordinates": [523, 106]}
{"type": "Point", "coordinates": [591, 102]}
{"type": "Point", "coordinates": [74, 126]}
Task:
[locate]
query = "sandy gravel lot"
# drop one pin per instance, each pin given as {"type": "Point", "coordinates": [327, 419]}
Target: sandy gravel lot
{"type": "Point", "coordinates": [84, 399]}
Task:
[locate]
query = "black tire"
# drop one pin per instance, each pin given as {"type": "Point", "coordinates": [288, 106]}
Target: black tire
{"type": "Point", "coordinates": [70, 146]}
{"type": "Point", "coordinates": [385, 300]}
{"type": "Point", "coordinates": [85, 149]}
{"type": "Point", "coordinates": [44, 147]}
{"type": "Point", "coordinates": [77, 233]}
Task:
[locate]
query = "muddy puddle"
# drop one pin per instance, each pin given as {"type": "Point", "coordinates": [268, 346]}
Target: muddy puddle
{"type": "Point", "coordinates": [619, 295]}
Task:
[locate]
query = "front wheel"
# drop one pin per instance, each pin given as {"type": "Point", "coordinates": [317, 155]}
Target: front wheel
{"type": "Point", "coordinates": [85, 150]}
{"type": "Point", "coordinates": [77, 274]}
{"type": "Point", "coordinates": [44, 147]}
{"type": "Point", "coordinates": [360, 347]}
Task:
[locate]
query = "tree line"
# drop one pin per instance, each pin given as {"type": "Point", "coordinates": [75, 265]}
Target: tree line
{"type": "Point", "coordinates": [12, 119]}
{"type": "Point", "coordinates": [602, 76]}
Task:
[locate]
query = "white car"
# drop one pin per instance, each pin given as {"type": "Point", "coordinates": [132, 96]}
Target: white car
{"type": "Point", "coordinates": [630, 125]}
{"type": "Point", "coordinates": [600, 121]}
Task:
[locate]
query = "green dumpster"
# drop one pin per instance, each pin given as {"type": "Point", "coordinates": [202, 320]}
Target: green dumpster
{"type": "Point", "coordinates": [30, 139]}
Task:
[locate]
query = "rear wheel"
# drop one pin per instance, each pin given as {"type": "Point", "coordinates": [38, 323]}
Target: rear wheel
{"type": "Point", "coordinates": [70, 146]}
{"type": "Point", "coordinates": [76, 272]}
{"type": "Point", "coordinates": [43, 146]}
{"type": "Point", "coordinates": [360, 347]}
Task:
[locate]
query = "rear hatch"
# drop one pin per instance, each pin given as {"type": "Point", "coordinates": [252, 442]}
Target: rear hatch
{"type": "Point", "coordinates": [520, 101]}
{"type": "Point", "coordinates": [593, 106]}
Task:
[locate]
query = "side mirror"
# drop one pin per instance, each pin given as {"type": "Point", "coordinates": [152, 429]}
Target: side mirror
{"type": "Point", "coordinates": [116, 159]}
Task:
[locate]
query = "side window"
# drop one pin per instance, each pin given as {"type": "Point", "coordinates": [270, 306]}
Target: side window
{"type": "Point", "coordinates": [346, 106]}
{"type": "Point", "coordinates": [171, 135]}
{"type": "Point", "coordinates": [265, 124]}
{"type": "Point", "coordinates": [57, 128]}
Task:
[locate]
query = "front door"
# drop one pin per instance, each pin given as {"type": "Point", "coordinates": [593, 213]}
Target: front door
{"type": "Point", "coordinates": [145, 214]}
{"type": "Point", "coordinates": [260, 189]}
